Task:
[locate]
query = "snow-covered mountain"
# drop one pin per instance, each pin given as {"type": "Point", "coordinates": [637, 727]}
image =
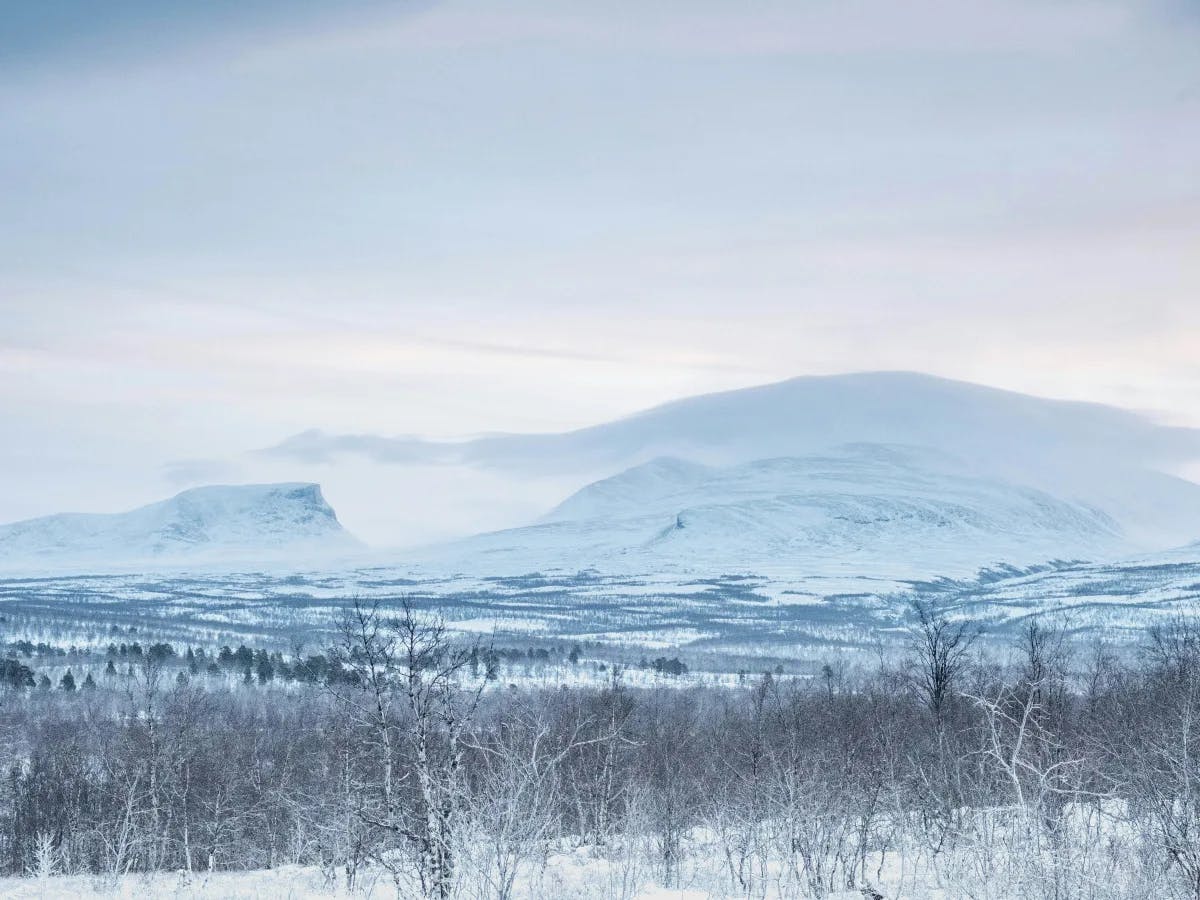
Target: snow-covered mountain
{"type": "Point", "coordinates": [214, 523]}
{"type": "Point", "coordinates": [877, 476]}
{"type": "Point", "coordinates": [1115, 460]}
{"type": "Point", "coordinates": [883, 475]}
{"type": "Point", "coordinates": [863, 510]}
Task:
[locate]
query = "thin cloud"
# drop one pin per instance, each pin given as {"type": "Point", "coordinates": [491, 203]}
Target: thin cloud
{"type": "Point", "coordinates": [185, 472]}
{"type": "Point", "coordinates": [317, 447]}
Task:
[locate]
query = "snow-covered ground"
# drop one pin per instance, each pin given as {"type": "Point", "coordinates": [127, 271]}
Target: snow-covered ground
{"type": "Point", "coordinates": [587, 873]}
{"type": "Point", "coordinates": [990, 862]}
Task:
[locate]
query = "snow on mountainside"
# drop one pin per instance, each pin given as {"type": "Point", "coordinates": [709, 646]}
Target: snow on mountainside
{"type": "Point", "coordinates": [887, 476]}
{"type": "Point", "coordinates": [1112, 459]}
{"type": "Point", "coordinates": [206, 523]}
{"type": "Point", "coordinates": [864, 510]}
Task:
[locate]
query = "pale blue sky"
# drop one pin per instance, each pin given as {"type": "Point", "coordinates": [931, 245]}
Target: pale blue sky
{"type": "Point", "coordinates": [224, 223]}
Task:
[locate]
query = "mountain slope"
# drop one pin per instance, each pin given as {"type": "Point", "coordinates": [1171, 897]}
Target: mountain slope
{"type": "Point", "coordinates": [203, 523]}
{"type": "Point", "coordinates": [862, 510]}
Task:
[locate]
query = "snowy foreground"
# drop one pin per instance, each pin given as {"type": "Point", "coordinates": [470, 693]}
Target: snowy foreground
{"type": "Point", "coordinates": [1005, 856]}
{"type": "Point", "coordinates": [581, 875]}
{"type": "Point", "coordinates": [585, 875]}
{"type": "Point", "coordinates": [390, 769]}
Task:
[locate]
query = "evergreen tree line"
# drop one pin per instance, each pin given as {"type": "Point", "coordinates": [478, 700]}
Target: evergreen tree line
{"type": "Point", "coordinates": [251, 665]}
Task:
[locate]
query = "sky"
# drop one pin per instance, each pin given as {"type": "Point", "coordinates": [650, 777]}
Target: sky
{"type": "Point", "coordinates": [225, 223]}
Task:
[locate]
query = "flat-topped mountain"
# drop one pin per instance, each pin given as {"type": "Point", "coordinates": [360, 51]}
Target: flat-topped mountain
{"type": "Point", "coordinates": [204, 523]}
